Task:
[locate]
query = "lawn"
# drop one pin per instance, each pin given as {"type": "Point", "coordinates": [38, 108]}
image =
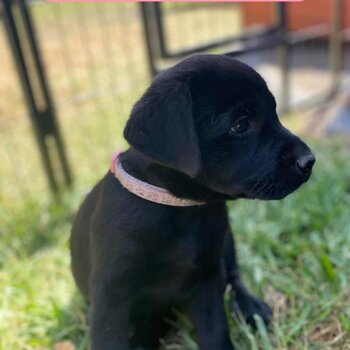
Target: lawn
{"type": "Point", "coordinates": [295, 252]}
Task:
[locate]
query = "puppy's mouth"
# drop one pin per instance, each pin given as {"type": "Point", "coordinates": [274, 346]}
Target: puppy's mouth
{"type": "Point", "coordinates": [269, 189]}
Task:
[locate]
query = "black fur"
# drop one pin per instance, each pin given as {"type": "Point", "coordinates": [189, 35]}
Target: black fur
{"type": "Point", "coordinates": [206, 129]}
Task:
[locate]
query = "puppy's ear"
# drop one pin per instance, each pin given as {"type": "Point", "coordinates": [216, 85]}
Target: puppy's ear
{"type": "Point", "coordinates": [161, 126]}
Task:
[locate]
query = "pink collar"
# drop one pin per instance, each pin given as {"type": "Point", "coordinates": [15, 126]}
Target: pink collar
{"type": "Point", "coordinates": [145, 190]}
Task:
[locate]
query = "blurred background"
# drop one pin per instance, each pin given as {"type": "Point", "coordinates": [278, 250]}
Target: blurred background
{"type": "Point", "coordinates": [69, 76]}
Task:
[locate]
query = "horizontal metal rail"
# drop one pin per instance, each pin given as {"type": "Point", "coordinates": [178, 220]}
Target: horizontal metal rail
{"type": "Point", "coordinates": [165, 52]}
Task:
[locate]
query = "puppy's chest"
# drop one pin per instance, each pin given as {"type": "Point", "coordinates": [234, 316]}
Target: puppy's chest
{"type": "Point", "coordinates": [195, 246]}
{"type": "Point", "coordinates": [179, 268]}
{"type": "Point", "coordinates": [183, 253]}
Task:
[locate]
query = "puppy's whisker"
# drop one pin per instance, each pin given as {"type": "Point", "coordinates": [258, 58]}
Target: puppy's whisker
{"type": "Point", "coordinates": [255, 187]}
{"type": "Point", "coordinates": [251, 191]}
{"type": "Point", "coordinates": [270, 188]}
{"type": "Point", "coordinates": [255, 190]}
{"type": "Point", "coordinates": [265, 187]}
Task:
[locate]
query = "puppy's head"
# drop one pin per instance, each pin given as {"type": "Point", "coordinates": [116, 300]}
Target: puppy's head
{"type": "Point", "coordinates": [214, 119]}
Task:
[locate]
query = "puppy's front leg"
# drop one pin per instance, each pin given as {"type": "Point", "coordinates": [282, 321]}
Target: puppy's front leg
{"type": "Point", "coordinates": [109, 327]}
{"type": "Point", "coordinates": [206, 310]}
{"type": "Point", "coordinates": [248, 304]}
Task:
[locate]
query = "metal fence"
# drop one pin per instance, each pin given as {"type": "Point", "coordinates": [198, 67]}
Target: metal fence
{"type": "Point", "coordinates": [95, 59]}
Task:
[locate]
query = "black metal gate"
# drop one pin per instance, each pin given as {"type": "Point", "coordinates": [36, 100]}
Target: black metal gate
{"type": "Point", "coordinates": [24, 47]}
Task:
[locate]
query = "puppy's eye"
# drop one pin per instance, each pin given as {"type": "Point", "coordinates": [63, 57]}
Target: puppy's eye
{"type": "Point", "coordinates": [241, 126]}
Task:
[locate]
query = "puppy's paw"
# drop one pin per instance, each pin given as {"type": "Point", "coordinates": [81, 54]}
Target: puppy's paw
{"type": "Point", "coordinates": [248, 306]}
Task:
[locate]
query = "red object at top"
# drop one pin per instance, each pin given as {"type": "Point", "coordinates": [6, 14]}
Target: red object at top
{"type": "Point", "coordinates": [299, 15]}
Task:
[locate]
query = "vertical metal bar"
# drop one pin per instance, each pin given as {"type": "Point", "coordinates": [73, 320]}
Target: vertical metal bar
{"type": "Point", "coordinates": [336, 47]}
{"type": "Point", "coordinates": [41, 112]}
{"type": "Point", "coordinates": [160, 28]}
{"type": "Point", "coordinates": [146, 15]}
{"type": "Point", "coordinates": [52, 118]}
{"type": "Point", "coordinates": [26, 86]}
{"type": "Point", "coordinates": [284, 53]}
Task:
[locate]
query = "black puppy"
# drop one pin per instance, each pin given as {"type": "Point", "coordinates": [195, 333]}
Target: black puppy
{"type": "Point", "coordinates": [206, 130]}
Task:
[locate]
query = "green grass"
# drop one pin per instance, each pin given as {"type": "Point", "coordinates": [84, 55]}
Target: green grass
{"type": "Point", "coordinates": [295, 252]}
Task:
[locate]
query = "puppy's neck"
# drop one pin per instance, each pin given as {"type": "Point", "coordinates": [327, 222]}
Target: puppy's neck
{"type": "Point", "coordinates": [175, 182]}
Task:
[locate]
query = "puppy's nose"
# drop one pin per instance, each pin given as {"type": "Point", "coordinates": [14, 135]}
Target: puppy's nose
{"type": "Point", "coordinates": [305, 163]}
